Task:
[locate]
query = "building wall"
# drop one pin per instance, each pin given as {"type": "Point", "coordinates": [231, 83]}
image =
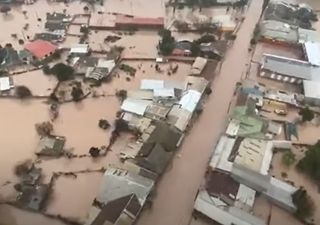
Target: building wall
{"type": "Point", "coordinates": [278, 77]}
{"type": "Point", "coordinates": [312, 101]}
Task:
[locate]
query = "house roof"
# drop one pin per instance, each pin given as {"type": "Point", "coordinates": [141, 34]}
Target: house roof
{"type": "Point", "coordinates": [5, 84]}
{"type": "Point", "coordinates": [137, 106]}
{"type": "Point", "coordinates": [190, 100]}
{"type": "Point", "coordinates": [289, 67]}
{"type": "Point", "coordinates": [79, 49]}
{"type": "Point", "coordinates": [311, 89]}
{"type": "Point", "coordinates": [9, 57]}
{"type": "Point", "coordinates": [118, 183]}
{"type": "Point", "coordinates": [48, 36]}
{"type": "Point", "coordinates": [147, 84]}
{"type": "Point", "coordinates": [198, 65]}
{"type": "Point", "coordinates": [51, 146]}
{"type": "Point", "coordinates": [312, 50]}
{"type": "Point", "coordinates": [154, 157]}
{"type": "Point", "coordinates": [127, 206]}
{"type": "Point", "coordinates": [52, 26]}
{"type": "Point", "coordinates": [41, 48]}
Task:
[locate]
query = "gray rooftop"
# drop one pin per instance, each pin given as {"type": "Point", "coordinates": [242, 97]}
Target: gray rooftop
{"type": "Point", "coordinates": [290, 67]}
{"type": "Point", "coordinates": [118, 183]}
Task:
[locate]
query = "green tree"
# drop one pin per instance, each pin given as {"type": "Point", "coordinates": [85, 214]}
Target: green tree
{"type": "Point", "coordinates": [310, 164]}
{"type": "Point", "coordinates": [288, 158]}
{"type": "Point", "coordinates": [22, 92]}
{"type": "Point", "coordinates": [62, 71]}
{"type": "Point", "coordinates": [304, 204]}
{"type": "Point", "coordinates": [306, 114]}
{"type": "Point", "coordinates": [167, 42]}
{"type": "Point", "coordinates": [76, 93]}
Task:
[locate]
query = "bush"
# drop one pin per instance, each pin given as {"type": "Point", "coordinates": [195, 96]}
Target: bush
{"type": "Point", "coordinates": [304, 204]}
{"type": "Point", "coordinates": [62, 72]}
{"type": "Point", "coordinates": [46, 69]}
{"type": "Point", "coordinates": [121, 94]}
{"type": "Point", "coordinates": [22, 92]}
{"type": "Point", "coordinates": [288, 158]}
{"type": "Point", "coordinates": [306, 114]}
{"type": "Point", "coordinates": [76, 94]}
{"type": "Point", "coordinates": [310, 164]}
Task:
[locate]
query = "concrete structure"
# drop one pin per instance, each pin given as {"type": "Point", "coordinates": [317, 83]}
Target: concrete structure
{"type": "Point", "coordinates": [129, 22]}
{"type": "Point", "coordinates": [51, 146]}
{"type": "Point", "coordinates": [287, 70]}
{"type": "Point", "coordinates": [311, 92]}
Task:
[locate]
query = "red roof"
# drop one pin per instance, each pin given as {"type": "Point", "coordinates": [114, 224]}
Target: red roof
{"type": "Point", "coordinates": [130, 20]}
{"type": "Point", "coordinates": [41, 48]}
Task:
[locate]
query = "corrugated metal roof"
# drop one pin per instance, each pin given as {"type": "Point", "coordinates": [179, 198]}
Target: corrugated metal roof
{"type": "Point", "coordinates": [246, 195]}
{"type": "Point", "coordinates": [190, 100]}
{"type": "Point", "coordinates": [137, 106]}
{"type": "Point", "coordinates": [147, 84]}
{"type": "Point", "coordinates": [312, 50]}
{"type": "Point", "coordinates": [164, 92]}
{"type": "Point", "coordinates": [290, 67]}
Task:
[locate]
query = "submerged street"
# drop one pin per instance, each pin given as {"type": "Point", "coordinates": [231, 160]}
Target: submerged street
{"type": "Point", "coordinates": [176, 191]}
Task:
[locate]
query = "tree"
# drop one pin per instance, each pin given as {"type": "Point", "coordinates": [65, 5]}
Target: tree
{"type": "Point", "coordinates": [46, 69]}
{"type": "Point", "coordinates": [104, 124]}
{"type": "Point", "coordinates": [94, 152]}
{"type": "Point", "coordinates": [181, 26]}
{"type": "Point", "coordinates": [44, 128]}
{"type": "Point", "coordinates": [5, 9]}
{"type": "Point", "coordinates": [310, 164]}
{"type": "Point", "coordinates": [76, 93]}
{"type": "Point", "coordinates": [304, 204]}
{"type": "Point", "coordinates": [167, 42]}
{"type": "Point", "coordinates": [86, 8]}
{"type": "Point", "coordinates": [306, 114]}
{"type": "Point", "coordinates": [288, 158]}
{"type": "Point", "coordinates": [22, 92]}
{"type": "Point", "coordinates": [62, 71]}
{"type": "Point", "coordinates": [121, 94]}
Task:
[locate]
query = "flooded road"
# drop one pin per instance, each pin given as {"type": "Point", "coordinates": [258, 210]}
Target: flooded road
{"type": "Point", "coordinates": [177, 189]}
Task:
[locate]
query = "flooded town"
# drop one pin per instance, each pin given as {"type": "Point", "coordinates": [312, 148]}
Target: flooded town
{"type": "Point", "coordinates": [159, 112]}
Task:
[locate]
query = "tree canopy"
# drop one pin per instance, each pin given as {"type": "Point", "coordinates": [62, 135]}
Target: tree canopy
{"type": "Point", "coordinates": [306, 114]}
{"type": "Point", "coordinates": [310, 164]}
{"type": "Point", "coordinates": [304, 204]}
{"type": "Point", "coordinates": [22, 92]}
{"type": "Point", "coordinates": [167, 42]}
{"type": "Point", "coordinates": [288, 158]}
{"type": "Point", "coordinates": [62, 71]}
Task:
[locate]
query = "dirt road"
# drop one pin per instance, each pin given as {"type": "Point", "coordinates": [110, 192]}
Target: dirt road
{"type": "Point", "coordinates": [177, 189]}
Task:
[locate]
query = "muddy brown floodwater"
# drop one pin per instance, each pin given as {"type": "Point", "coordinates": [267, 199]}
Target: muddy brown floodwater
{"type": "Point", "coordinates": [177, 189]}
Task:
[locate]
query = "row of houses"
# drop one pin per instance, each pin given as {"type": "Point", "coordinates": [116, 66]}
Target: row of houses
{"type": "Point", "coordinates": [239, 168]}
{"type": "Point", "coordinates": [159, 112]}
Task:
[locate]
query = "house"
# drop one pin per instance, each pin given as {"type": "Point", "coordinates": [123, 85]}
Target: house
{"type": "Point", "coordinates": [9, 58]}
{"type": "Point", "coordinates": [58, 17]}
{"type": "Point", "coordinates": [159, 144]}
{"type": "Point", "coordinates": [136, 106]}
{"type": "Point", "coordinates": [81, 64]}
{"type": "Point", "coordinates": [225, 23]}
{"type": "Point", "coordinates": [226, 201]}
{"type": "Point", "coordinates": [208, 50]}
{"type": "Point", "coordinates": [198, 66]}
{"type": "Point", "coordinates": [51, 37]}
{"type": "Point", "coordinates": [41, 49]}
{"type": "Point", "coordinates": [6, 83]}
{"type": "Point", "coordinates": [123, 210]}
{"type": "Point", "coordinates": [120, 199]}
{"type": "Point", "coordinates": [51, 146]}
{"type": "Point", "coordinates": [276, 32]}
{"type": "Point", "coordinates": [133, 22]}
{"type": "Point", "coordinates": [287, 70]}
{"type": "Point", "coordinates": [33, 197]}
{"type": "Point", "coordinates": [312, 52]}
{"type": "Point", "coordinates": [101, 70]}
{"type": "Point", "coordinates": [311, 91]}
{"type": "Point", "coordinates": [182, 48]}
{"type": "Point", "coordinates": [102, 21]}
